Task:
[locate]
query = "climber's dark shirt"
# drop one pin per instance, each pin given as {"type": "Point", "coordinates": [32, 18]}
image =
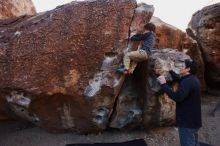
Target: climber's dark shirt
{"type": "Point", "coordinates": [149, 41]}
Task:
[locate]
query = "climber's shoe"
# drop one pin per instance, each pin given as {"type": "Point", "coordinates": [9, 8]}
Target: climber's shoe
{"type": "Point", "coordinates": [123, 70]}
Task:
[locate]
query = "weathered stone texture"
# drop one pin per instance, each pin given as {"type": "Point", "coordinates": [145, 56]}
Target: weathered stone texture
{"type": "Point", "coordinates": [143, 14]}
{"type": "Point", "coordinates": [204, 27]}
{"type": "Point", "coordinates": [16, 8]}
{"type": "Point", "coordinates": [140, 102]}
{"type": "Point", "coordinates": [168, 36]}
{"type": "Point", "coordinates": [55, 65]}
{"type": "Point", "coordinates": [192, 48]}
{"type": "Point", "coordinates": [57, 69]}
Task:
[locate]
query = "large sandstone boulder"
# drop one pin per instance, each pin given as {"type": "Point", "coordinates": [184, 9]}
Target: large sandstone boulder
{"type": "Point", "coordinates": [192, 48]}
{"type": "Point", "coordinates": [12, 9]}
{"type": "Point", "coordinates": [168, 36]}
{"type": "Point", "coordinates": [16, 8]}
{"type": "Point", "coordinates": [204, 27]}
{"type": "Point", "coordinates": [57, 69]}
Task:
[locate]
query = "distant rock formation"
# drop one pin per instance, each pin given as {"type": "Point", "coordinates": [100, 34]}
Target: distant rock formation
{"type": "Point", "coordinates": [204, 27]}
{"type": "Point", "coordinates": [168, 36]}
{"type": "Point", "coordinates": [16, 8]}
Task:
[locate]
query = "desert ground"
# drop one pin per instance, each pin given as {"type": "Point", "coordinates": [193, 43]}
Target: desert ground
{"type": "Point", "coordinates": [11, 133]}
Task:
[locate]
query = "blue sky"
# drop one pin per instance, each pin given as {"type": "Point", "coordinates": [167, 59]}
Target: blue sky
{"type": "Point", "coordinates": [175, 12]}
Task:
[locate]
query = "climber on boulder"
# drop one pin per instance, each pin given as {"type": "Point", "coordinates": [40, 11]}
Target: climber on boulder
{"type": "Point", "coordinates": [143, 53]}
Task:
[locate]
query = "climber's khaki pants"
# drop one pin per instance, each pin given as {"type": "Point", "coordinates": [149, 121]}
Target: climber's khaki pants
{"type": "Point", "coordinates": [132, 58]}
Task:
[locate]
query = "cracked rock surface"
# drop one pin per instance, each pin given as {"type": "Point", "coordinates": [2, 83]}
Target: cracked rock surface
{"type": "Point", "coordinates": [58, 69]}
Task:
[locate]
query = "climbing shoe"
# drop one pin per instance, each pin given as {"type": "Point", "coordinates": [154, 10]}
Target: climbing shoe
{"type": "Point", "coordinates": [123, 70]}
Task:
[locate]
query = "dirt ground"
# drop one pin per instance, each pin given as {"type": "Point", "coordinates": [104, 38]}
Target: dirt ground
{"type": "Point", "coordinates": [11, 135]}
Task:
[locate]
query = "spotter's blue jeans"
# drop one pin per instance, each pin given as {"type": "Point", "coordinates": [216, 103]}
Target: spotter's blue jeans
{"type": "Point", "coordinates": [188, 137]}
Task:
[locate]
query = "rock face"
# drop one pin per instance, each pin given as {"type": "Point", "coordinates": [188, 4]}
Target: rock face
{"type": "Point", "coordinates": [11, 9]}
{"type": "Point", "coordinates": [192, 48]}
{"type": "Point", "coordinates": [140, 101]}
{"type": "Point", "coordinates": [204, 27]}
{"type": "Point", "coordinates": [168, 36]}
{"type": "Point", "coordinates": [15, 8]}
{"type": "Point", "coordinates": [58, 69]}
{"type": "Point", "coordinates": [143, 14]}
